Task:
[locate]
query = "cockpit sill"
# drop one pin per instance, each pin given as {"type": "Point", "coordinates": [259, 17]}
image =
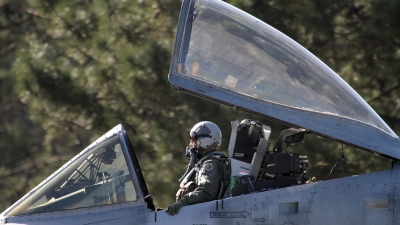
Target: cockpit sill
{"type": "Point", "coordinates": [111, 210]}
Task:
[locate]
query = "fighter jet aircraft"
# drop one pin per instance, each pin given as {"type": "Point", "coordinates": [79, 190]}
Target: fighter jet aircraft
{"type": "Point", "coordinates": [227, 56]}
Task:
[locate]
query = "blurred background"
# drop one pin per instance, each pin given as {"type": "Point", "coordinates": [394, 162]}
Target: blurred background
{"type": "Point", "coordinates": [72, 70]}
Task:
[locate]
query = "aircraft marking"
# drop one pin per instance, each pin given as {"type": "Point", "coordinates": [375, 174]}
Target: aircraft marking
{"type": "Point", "coordinates": [233, 214]}
{"type": "Point", "coordinates": [259, 220]}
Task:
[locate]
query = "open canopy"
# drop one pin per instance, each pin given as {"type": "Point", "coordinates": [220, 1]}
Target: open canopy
{"type": "Point", "coordinates": [226, 55]}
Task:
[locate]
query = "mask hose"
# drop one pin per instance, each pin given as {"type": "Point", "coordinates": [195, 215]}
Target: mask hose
{"type": "Point", "coordinates": [190, 166]}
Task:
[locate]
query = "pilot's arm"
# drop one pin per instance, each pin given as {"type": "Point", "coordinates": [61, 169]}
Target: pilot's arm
{"type": "Point", "coordinates": [208, 181]}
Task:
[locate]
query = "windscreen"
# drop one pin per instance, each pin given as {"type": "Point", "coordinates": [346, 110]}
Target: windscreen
{"type": "Point", "coordinates": [231, 49]}
{"type": "Point", "coordinates": [99, 177]}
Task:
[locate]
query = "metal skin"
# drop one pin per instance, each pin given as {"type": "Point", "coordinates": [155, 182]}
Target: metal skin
{"type": "Point", "coordinates": [371, 198]}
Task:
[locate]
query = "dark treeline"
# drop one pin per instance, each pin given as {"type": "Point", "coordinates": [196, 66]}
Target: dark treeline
{"type": "Point", "coordinates": [72, 70]}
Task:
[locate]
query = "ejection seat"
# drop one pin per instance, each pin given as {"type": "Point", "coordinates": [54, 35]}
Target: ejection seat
{"type": "Point", "coordinates": [254, 168]}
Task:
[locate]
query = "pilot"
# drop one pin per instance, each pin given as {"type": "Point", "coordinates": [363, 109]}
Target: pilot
{"type": "Point", "coordinates": [206, 176]}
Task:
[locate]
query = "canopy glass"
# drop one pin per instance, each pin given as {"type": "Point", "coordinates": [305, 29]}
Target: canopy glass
{"type": "Point", "coordinates": [233, 50]}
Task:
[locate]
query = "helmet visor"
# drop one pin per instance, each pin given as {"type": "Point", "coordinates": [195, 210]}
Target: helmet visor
{"type": "Point", "coordinates": [195, 136]}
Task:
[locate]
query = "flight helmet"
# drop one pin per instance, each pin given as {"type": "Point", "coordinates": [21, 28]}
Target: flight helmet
{"type": "Point", "coordinates": [206, 134]}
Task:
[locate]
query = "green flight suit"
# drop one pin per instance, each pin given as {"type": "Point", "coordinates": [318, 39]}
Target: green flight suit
{"type": "Point", "coordinates": [208, 180]}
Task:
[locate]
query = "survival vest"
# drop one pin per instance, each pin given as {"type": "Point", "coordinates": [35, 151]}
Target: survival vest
{"type": "Point", "coordinates": [188, 184]}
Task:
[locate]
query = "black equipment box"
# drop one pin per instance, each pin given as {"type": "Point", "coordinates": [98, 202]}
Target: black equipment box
{"type": "Point", "coordinates": [284, 163]}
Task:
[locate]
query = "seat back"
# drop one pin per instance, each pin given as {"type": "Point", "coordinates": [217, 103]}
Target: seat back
{"type": "Point", "coordinates": [247, 146]}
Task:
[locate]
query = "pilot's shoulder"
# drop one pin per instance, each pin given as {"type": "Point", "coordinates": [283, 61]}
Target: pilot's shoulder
{"type": "Point", "coordinates": [210, 164]}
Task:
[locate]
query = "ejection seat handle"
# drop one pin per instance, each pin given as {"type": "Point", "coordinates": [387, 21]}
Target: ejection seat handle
{"type": "Point", "coordinates": [249, 184]}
